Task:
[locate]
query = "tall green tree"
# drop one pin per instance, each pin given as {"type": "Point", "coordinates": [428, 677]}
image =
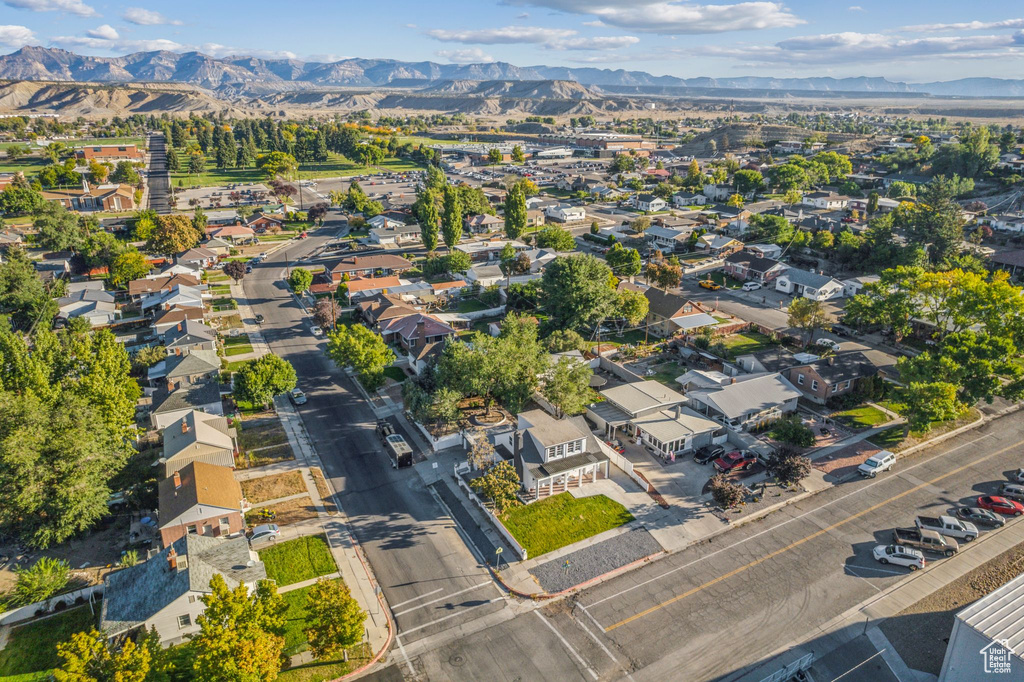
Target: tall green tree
{"type": "Point", "coordinates": [300, 279]}
{"type": "Point", "coordinates": [567, 385]}
{"type": "Point", "coordinates": [334, 617]}
{"type": "Point", "coordinates": [577, 291]}
{"type": "Point", "coordinates": [172, 234]}
{"type": "Point", "coordinates": [92, 657]}
{"type": "Point", "coordinates": [23, 296]}
{"type": "Point", "coordinates": [808, 316]}
{"type": "Point", "coordinates": [451, 217]}
{"type": "Point", "coordinates": [261, 379]}
{"type": "Point", "coordinates": [938, 221]}
{"type": "Point", "coordinates": [59, 229]}
{"type": "Point", "coordinates": [364, 351]}
{"type": "Point", "coordinates": [624, 262]}
{"type": "Point", "coordinates": [425, 210]}
{"type": "Point", "coordinates": [128, 266]}
{"type": "Point", "coordinates": [515, 212]}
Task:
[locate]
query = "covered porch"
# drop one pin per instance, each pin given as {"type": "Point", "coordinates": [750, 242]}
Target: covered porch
{"type": "Point", "coordinates": [560, 475]}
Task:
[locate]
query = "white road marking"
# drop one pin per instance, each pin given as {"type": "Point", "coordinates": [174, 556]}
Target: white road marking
{"type": "Point", "coordinates": [881, 570]}
{"type": "Point", "coordinates": [855, 575]}
{"type": "Point", "coordinates": [601, 644]}
{"type": "Point", "coordinates": [408, 663]}
{"type": "Point", "coordinates": [592, 619]}
{"type": "Point", "coordinates": [447, 596]}
{"type": "Point", "coordinates": [776, 527]}
{"type": "Point", "coordinates": [409, 601]}
{"type": "Point", "coordinates": [566, 644]}
{"type": "Point", "coordinates": [449, 617]}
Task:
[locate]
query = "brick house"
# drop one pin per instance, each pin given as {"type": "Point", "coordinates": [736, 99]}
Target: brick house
{"type": "Point", "coordinates": [368, 266]}
{"type": "Point", "coordinates": [749, 266]}
{"type": "Point", "coordinates": [201, 499]}
{"type": "Point", "coordinates": [669, 313]}
{"type": "Point", "coordinates": [832, 376]}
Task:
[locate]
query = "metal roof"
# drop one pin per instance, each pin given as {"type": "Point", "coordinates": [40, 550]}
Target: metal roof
{"type": "Point", "coordinates": [1000, 615]}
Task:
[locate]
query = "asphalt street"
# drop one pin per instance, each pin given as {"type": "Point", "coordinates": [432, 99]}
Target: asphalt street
{"type": "Point", "coordinates": [158, 176]}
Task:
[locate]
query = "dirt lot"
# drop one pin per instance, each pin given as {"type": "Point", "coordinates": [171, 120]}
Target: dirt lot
{"type": "Point", "coordinates": [288, 512]}
{"type": "Point", "coordinates": [920, 633]}
{"type": "Point", "coordinates": [324, 490]}
{"type": "Point", "coordinates": [258, 490]}
{"type": "Point", "coordinates": [261, 433]}
{"type": "Point", "coordinates": [845, 461]}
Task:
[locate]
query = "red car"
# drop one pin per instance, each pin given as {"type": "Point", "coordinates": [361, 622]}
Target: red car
{"type": "Point", "coordinates": [1001, 505]}
{"type": "Point", "coordinates": [737, 460]}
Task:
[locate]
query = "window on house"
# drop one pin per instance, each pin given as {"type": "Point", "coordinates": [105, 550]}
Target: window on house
{"type": "Point", "coordinates": [226, 520]}
{"type": "Point", "coordinates": [192, 599]}
{"type": "Point", "coordinates": [192, 529]}
{"type": "Point", "coordinates": [574, 446]}
{"type": "Point", "coordinates": [847, 384]}
{"type": "Point", "coordinates": [184, 621]}
{"type": "Point", "coordinates": [800, 379]}
{"type": "Point", "coordinates": [814, 385]}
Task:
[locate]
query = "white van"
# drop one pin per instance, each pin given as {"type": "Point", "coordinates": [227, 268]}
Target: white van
{"type": "Point", "coordinates": [883, 461]}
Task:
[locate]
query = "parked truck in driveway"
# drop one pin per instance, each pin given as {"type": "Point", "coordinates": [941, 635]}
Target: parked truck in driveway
{"type": "Point", "coordinates": [948, 526]}
{"type": "Point", "coordinates": [927, 540]}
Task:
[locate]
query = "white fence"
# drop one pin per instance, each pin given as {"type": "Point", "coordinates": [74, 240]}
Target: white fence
{"type": "Point", "coordinates": [68, 599]}
{"type": "Point", "coordinates": [449, 440]}
{"type": "Point", "coordinates": [495, 521]}
{"type": "Point", "coordinates": [622, 463]}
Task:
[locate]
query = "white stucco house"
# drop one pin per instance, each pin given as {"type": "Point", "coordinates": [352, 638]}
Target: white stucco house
{"type": "Point", "coordinates": [809, 285]}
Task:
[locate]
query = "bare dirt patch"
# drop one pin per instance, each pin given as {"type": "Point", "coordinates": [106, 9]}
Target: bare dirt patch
{"type": "Point", "coordinates": [292, 511]}
{"type": "Point", "coordinates": [845, 461]}
{"type": "Point", "coordinates": [325, 492]}
{"type": "Point", "coordinates": [273, 487]}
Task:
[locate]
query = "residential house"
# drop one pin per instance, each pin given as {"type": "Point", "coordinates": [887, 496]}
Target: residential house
{"type": "Point", "coordinates": [199, 257]}
{"type": "Point", "coordinates": [139, 288]}
{"type": "Point", "coordinates": [235, 234]}
{"type": "Point", "coordinates": [164, 593]}
{"type": "Point", "coordinates": [1011, 261]}
{"type": "Point", "coordinates": [197, 436]}
{"type": "Point", "coordinates": [1004, 222]}
{"type": "Point", "coordinates": [675, 432]}
{"type": "Point", "coordinates": [747, 266]}
{"type": "Point", "coordinates": [818, 223]}
{"type": "Point", "coordinates": [219, 246]}
{"type": "Point", "coordinates": [745, 404]}
{"type": "Point", "coordinates": [489, 249]}
{"type": "Point", "coordinates": [764, 250]}
{"type": "Point", "coordinates": [168, 319]}
{"type": "Point", "coordinates": [89, 302]}
{"type": "Point", "coordinates": [855, 285]}
{"type": "Point", "coordinates": [668, 239]}
{"type": "Point", "coordinates": [885, 205]}
{"type": "Point", "coordinates": [649, 202]}
{"type": "Point", "coordinates": [832, 376]}
{"type": "Point", "coordinates": [718, 245]}
{"type": "Point", "coordinates": [171, 269]}
{"type": "Point", "coordinates": [720, 192]}
{"type": "Point", "coordinates": [179, 295]}
{"type": "Point", "coordinates": [189, 336]}
{"type": "Point", "coordinates": [772, 359]}
{"type": "Point", "coordinates": [809, 285]}
{"type": "Point", "coordinates": [361, 287]}
{"type": "Point", "coordinates": [535, 217]}
{"type": "Point", "coordinates": [112, 198]}
{"type": "Point", "coordinates": [186, 368]}
{"type": "Point", "coordinates": [483, 223]}
{"type": "Point", "coordinates": [565, 213]}
{"type": "Point", "coordinates": [382, 308]}
{"type": "Point", "coordinates": [397, 234]}
{"type": "Point", "coordinates": [200, 499]}
{"type": "Point", "coordinates": [170, 403]}
{"type": "Point", "coordinates": [53, 265]}
{"type": "Point", "coordinates": [489, 275]}
{"type": "Point", "coordinates": [263, 222]}
{"type": "Point", "coordinates": [9, 238]}
{"type": "Point", "coordinates": [368, 266]}
{"type": "Point", "coordinates": [685, 199]}
{"type": "Point", "coordinates": [829, 201]}
{"type": "Point", "coordinates": [670, 313]}
{"type": "Point", "coordinates": [411, 332]}
{"type": "Point", "coordinates": [552, 455]}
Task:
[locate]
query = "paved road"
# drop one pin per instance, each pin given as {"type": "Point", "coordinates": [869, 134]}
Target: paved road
{"type": "Point", "coordinates": [159, 177]}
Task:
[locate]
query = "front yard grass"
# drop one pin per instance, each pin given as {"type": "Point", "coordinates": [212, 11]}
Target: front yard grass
{"type": "Point", "coordinates": [395, 373]}
{"type": "Point", "coordinates": [862, 417]}
{"type": "Point", "coordinates": [262, 435]}
{"type": "Point", "coordinates": [555, 522]}
{"type": "Point", "coordinates": [742, 343]}
{"type": "Point", "coordinates": [469, 305]}
{"type": "Point", "coordinates": [725, 280]}
{"type": "Point", "coordinates": [258, 490]}
{"type": "Point", "coordinates": [300, 559]}
{"type": "Point", "coordinates": [33, 647]}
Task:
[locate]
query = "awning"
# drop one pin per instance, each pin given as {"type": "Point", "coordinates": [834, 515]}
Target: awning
{"type": "Point", "coordinates": [695, 321]}
{"type": "Point", "coordinates": [610, 414]}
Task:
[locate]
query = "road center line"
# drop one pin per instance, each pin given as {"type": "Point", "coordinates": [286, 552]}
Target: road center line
{"type": "Point", "coordinates": [409, 601]}
{"type": "Point", "coordinates": [775, 527]}
{"type": "Point", "coordinates": [447, 596]}
{"type": "Point", "coordinates": [808, 538]}
{"type": "Point", "coordinates": [566, 644]}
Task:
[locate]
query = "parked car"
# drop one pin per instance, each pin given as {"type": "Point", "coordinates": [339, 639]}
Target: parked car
{"type": "Point", "coordinates": [709, 284]}
{"type": "Point", "coordinates": [1013, 491]}
{"type": "Point", "coordinates": [875, 464]}
{"type": "Point", "coordinates": [259, 319]}
{"type": "Point", "coordinates": [925, 540]}
{"type": "Point", "coordinates": [948, 526]}
{"type": "Point", "coordinates": [980, 517]}
{"type": "Point", "coordinates": [248, 269]}
{"type": "Point", "coordinates": [751, 286]}
{"type": "Point", "coordinates": [266, 531]}
{"type": "Point", "coordinates": [297, 396]}
{"type": "Point", "coordinates": [262, 255]}
{"type": "Point", "coordinates": [1001, 505]}
{"type": "Point", "coordinates": [384, 429]}
{"type": "Point", "coordinates": [1018, 476]}
{"type": "Point", "coordinates": [738, 460]}
{"type": "Point", "coordinates": [317, 331]}
{"type": "Point", "coordinates": [708, 453]}
{"type": "Point", "coordinates": [900, 556]}
{"type": "Point", "coordinates": [829, 344]}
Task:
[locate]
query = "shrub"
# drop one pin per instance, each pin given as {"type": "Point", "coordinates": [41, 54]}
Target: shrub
{"type": "Point", "coordinates": [794, 432]}
{"type": "Point", "coordinates": [725, 493]}
{"type": "Point", "coordinates": [788, 467]}
{"type": "Point", "coordinates": [44, 579]}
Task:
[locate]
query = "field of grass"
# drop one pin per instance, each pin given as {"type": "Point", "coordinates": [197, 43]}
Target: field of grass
{"type": "Point", "coordinates": [24, 164]}
{"type": "Point", "coordinates": [724, 280]}
{"type": "Point", "coordinates": [395, 373]}
{"type": "Point", "coordinates": [33, 647]}
{"type": "Point", "coordinates": [469, 305]}
{"type": "Point", "coordinates": [237, 345]}
{"type": "Point", "coordinates": [335, 166]}
{"type": "Point", "coordinates": [746, 342]}
{"type": "Point", "coordinates": [863, 417]}
{"type": "Point", "coordinates": [555, 522]}
{"type": "Point", "coordinates": [891, 437]}
{"type": "Point", "coordinates": [300, 559]}
{"type": "Point", "coordinates": [235, 367]}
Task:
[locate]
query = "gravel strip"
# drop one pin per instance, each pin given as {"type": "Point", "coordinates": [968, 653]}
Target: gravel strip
{"type": "Point", "coordinates": [590, 562]}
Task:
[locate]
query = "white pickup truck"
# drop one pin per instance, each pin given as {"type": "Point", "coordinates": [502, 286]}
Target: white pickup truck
{"type": "Point", "coordinates": [948, 526]}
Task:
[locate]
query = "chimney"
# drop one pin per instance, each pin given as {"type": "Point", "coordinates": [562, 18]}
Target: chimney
{"type": "Point", "coordinates": [172, 560]}
{"type": "Point", "coordinates": [184, 429]}
{"type": "Point", "coordinates": [421, 334]}
{"type": "Point", "coordinates": [831, 360]}
{"type": "Point", "coordinates": [517, 443]}
{"type": "Point", "coordinates": [732, 380]}
{"type": "Point", "coordinates": [177, 480]}
{"type": "Point", "coordinates": [170, 385]}
{"type": "Point", "coordinates": [679, 410]}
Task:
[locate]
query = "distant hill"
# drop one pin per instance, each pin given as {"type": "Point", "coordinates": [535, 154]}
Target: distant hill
{"type": "Point", "coordinates": [241, 74]}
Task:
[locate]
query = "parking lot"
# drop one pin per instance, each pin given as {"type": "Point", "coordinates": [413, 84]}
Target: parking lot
{"type": "Point", "coordinates": [222, 197]}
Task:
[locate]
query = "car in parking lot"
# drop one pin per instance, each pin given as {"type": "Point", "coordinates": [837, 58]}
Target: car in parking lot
{"type": "Point", "coordinates": [737, 460]}
{"type": "Point", "coordinates": [751, 286]}
{"type": "Point", "coordinates": [1001, 505]}
{"type": "Point", "coordinates": [297, 396]}
{"type": "Point", "coordinates": [900, 556]}
{"type": "Point", "coordinates": [267, 531]}
{"type": "Point", "coordinates": [708, 453]}
{"type": "Point", "coordinates": [877, 463]}
{"type": "Point", "coordinates": [980, 517]}
{"type": "Point", "coordinates": [1012, 491]}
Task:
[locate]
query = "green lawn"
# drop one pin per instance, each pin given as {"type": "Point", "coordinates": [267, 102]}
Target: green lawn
{"type": "Point", "coordinates": [33, 647]}
{"type": "Point", "coordinates": [555, 522]}
{"type": "Point", "coordinates": [470, 305]}
{"type": "Point", "coordinates": [221, 290]}
{"type": "Point", "coordinates": [891, 437]}
{"type": "Point", "coordinates": [667, 372]}
{"type": "Point", "coordinates": [235, 367]}
{"type": "Point", "coordinates": [395, 373]}
{"type": "Point", "coordinates": [724, 280]}
{"type": "Point", "coordinates": [240, 340]}
{"type": "Point", "coordinates": [300, 559]}
{"type": "Point", "coordinates": [746, 342]}
{"type": "Point", "coordinates": [295, 621]}
{"type": "Point", "coordinates": [237, 349]}
{"type": "Point", "coordinates": [24, 164]}
{"type": "Point", "coordinates": [863, 417]}
{"type": "Point", "coordinates": [224, 303]}
{"type": "Point", "coordinates": [632, 337]}
{"type": "Point", "coordinates": [335, 166]}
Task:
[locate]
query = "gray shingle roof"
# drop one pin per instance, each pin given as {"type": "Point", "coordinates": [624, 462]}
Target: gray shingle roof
{"type": "Point", "coordinates": [753, 395]}
{"type": "Point", "coordinates": [186, 397]}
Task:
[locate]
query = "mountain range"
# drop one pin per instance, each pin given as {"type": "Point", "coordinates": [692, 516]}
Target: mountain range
{"type": "Point", "coordinates": [251, 75]}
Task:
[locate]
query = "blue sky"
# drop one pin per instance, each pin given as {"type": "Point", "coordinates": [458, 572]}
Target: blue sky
{"type": "Point", "coordinates": [910, 40]}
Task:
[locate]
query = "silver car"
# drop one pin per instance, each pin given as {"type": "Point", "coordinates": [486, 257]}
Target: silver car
{"type": "Point", "coordinates": [267, 531]}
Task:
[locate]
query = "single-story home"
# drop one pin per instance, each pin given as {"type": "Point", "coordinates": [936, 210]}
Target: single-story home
{"type": "Point", "coordinates": [835, 375]}
{"type": "Point", "coordinates": [91, 303]}
{"type": "Point", "coordinates": [829, 201]}
{"type": "Point", "coordinates": [747, 266]}
{"type": "Point", "coordinates": [564, 213]}
{"type": "Point", "coordinates": [650, 202]}
{"type": "Point", "coordinates": [198, 436]}
{"type": "Point", "coordinates": [809, 285]}
{"type": "Point", "coordinates": [718, 244]}
{"type": "Point", "coordinates": [670, 313]}
{"type": "Point", "coordinates": [172, 402]}
{"type": "Point", "coordinates": [747, 402]}
{"type": "Point", "coordinates": [368, 266]}
{"type": "Point", "coordinates": [200, 499]}
{"type": "Point", "coordinates": [667, 238]}
{"type": "Point", "coordinates": [685, 199]}
{"type": "Point", "coordinates": [397, 234]}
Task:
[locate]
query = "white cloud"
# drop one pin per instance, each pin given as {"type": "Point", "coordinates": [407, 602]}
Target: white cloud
{"type": "Point", "coordinates": [470, 55]}
{"type": "Point", "coordinates": [524, 15]}
{"type": "Point", "coordinates": [120, 46]}
{"type": "Point", "coordinates": [16, 36]}
{"type": "Point", "coordinates": [966, 26]}
{"type": "Point", "coordinates": [505, 35]}
{"type": "Point", "coordinates": [218, 50]}
{"type": "Point", "coordinates": [597, 43]}
{"type": "Point", "coordinates": [147, 17]}
{"type": "Point", "coordinates": [597, 23]}
{"type": "Point", "coordinates": [76, 7]}
{"type": "Point", "coordinates": [668, 17]}
{"type": "Point", "coordinates": [855, 8]}
{"type": "Point", "coordinates": [106, 32]}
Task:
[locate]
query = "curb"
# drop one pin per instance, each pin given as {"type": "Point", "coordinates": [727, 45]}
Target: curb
{"type": "Point", "coordinates": [544, 596]}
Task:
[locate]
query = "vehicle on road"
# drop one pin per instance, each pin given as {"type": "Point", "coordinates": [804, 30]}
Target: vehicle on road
{"type": "Point", "coordinates": [927, 540]}
{"type": "Point", "coordinates": [399, 451]}
{"type": "Point", "coordinates": [262, 255]}
{"type": "Point", "coordinates": [751, 286]}
{"type": "Point", "coordinates": [1012, 491]}
{"type": "Point", "coordinates": [900, 556]}
{"type": "Point", "coordinates": [873, 465]}
{"type": "Point", "coordinates": [317, 331]}
{"type": "Point", "coordinates": [1001, 505]}
{"type": "Point", "coordinates": [384, 429]}
{"type": "Point", "coordinates": [258, 318]}
{"type": "Point", "coordinates": [948, 526]}
{"type": "Point", "coordinates": [709, 284]}
{"type": "Point", "coordinates": [297, 396]}
{"type": "Point", "coordinates": [708, 453]}
{"type": "Point", "coordinates": [829, 344]}
{"type": "Point", "coordinates": [266, 531]}
{"type": "Point", "coordinates": [737, 460]}
{"type": "Point", "coordinates": [248, 269]}
{"type": "Point", "coordinates": [980, 517]}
